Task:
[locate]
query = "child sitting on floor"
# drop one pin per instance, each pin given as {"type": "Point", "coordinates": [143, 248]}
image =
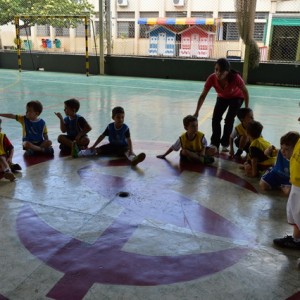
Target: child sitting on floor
{"type": "Point", "coordinates": [257, 159]}
{"type": "Point", "coordinates": [290, 147]}
{"type": "Point", "coordinates": [192, 143]}
{"type": "Point", "coordinates": [119, 140]}
{"type": "Point", "coordinates": [6, 155]}
{"type": "Point", "coordinates": [74, 125]}
{"type": "Point", "coordinates": [35, 135]}
{"type": "Point", "coordinates": [239, 134]}
{"type": "Point", "coordinates": [278, 176]}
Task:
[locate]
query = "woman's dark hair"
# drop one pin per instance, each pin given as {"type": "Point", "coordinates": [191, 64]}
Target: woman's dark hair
{"type": "Point", "coordinates": [224, 65]}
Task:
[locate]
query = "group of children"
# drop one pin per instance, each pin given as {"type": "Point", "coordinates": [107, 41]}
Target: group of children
{"type": "Point", "coordinates": [280, 167]}
{"type": "Point", "coordinates": [74, 139]}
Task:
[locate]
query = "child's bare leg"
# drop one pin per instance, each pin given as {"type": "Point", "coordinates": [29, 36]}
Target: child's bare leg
{"type": "Point", "coordinates": [4, 167]}
{"type": "Point", "coordinates": [62, 139]}
{"type": "Point", "coordinates": [264, 185]}
{"type": "Point", "coordinates": [44, 144]}
{"type": "Point", "coordinates": [243, 142]}
{"type": "Point", "coordinates": [248, 169]}
{"type": "Point", "coordinates": [197, 157]}
{"type": "Point", "coordinates": [192, 155]}
{"type": "Point", "coordinates": [3, 164]}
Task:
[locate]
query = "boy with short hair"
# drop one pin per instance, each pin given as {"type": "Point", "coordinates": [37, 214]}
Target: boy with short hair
{"type": "Point", "coordinates": [74, 125]}
{"type": "Point", "coordinates": [257, 159]}
{"type": "Point", "coordinates": [35, 134]}
{"type": "Point", "coordinates": [192, 143]}
{"type": "Point", "coordinates": [120, 143]}
{"type": "Point", "coordinates": [239, 134]}
{"type": "Point", "coordinates": [290, 147]}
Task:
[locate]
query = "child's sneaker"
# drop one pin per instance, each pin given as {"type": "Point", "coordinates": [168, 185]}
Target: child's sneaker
{"type": "Point", "coordinates": [287, 242]}
{"type": "Point", "coordinates": [238, 153]}
{"type": "Point", "coordinates": [87, 152]}
{"type": "Point", "coordinates": [137, 159]}
{"type": "Point", "coordinates": [75, 150]}
{"type": "Point", "coordinates": [225, 149]}
{"type": "Point", "coordinates": [9, 175]}
{"type": "Point", "coordinates": [15, 167]}
{"type": "Point", "coordinates": [49, 151]}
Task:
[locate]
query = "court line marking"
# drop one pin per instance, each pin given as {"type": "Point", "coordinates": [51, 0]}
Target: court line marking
{"type": "Point", "coordinates": [17, 80]}
{"type": "Point", "coordinates": [153, 88]}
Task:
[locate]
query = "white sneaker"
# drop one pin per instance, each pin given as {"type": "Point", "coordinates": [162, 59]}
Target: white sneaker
{"type": "Point", "coordinates": [87, 152]}
{"type": "Point", "coordinates": [225, 149]}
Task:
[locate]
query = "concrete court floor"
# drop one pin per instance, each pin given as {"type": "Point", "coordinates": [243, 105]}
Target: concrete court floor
{"type": "Point", "coordinates": [183, 232]}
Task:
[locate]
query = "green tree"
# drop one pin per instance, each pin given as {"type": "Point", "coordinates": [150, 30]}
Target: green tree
{"type": "Point", "coordinates": [11, 8]}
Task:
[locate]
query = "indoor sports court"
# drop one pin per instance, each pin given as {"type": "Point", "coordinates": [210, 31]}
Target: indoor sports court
{"type": "Point", "coordinates": [96, 228]}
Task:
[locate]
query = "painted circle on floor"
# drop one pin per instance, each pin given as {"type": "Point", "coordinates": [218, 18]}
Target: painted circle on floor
{"type": "Point", "coordinates": [106, 261]}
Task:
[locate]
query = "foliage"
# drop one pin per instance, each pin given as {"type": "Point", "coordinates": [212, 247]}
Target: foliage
{"type": "Point", "coordinates": [11, 8]}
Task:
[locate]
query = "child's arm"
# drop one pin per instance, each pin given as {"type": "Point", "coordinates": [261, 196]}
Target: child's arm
{"type": "Point", "coordinates": [163, 156]}
{"type": "Point", "coordinates": [62, 123]}
{"type": "Point", "coordinates": [45, 135]}
{"type": "Point", "coordinates": [87, 128]}
{"type": "Point", "coordinates": [252, 172]}
{"type": "Point", "coordinates": [9, 116]}
{"type": "Point", "coordinates": [10, 155]}
{"type": "Point", "coordinates": [130, 150]}
{"type": "Point", "coordinates": [99, 140]}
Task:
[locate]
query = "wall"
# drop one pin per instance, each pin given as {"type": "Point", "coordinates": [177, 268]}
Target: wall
{"type": "Point", "coordinates": [266, 73]}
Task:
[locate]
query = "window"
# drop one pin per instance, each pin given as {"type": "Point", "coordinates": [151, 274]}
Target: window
{"type": "Point", "coordinates": [126, 15]}
{"type": "Point", "coordinates": [25, 31]}
{"type": "Point", "coordinates": [149, 14]}
{"type": "Point", "coordinates": [80, 30]}
{"type": "Point", "coordinates": [227, 15]}
{"type": "Point", "coordinates": [261, 15]}
{"type": "Point", "coordinates": [144, 31]}
{"type": "Point", "coordinates": [95, 27]}
{"type": "Point", "coordinates": [259, 31]}
{"type": "Point", "coordinates": [59, 31]}
{"type": "Point", "coordinates": [125, 29]}
{"type": "Point", "coordinates": [176, 14]}
{"type": "Point", "coordinates": [201, 14]}
{"type": "Point", "coordinates": [43, 30]}
{"type": "Point", "coordinates": [230, 32]}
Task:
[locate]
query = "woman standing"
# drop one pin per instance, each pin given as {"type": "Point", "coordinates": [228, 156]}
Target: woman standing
{"type": "Point", "coordinates": [231, 93]}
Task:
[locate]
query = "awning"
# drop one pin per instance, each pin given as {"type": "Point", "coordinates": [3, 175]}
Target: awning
{"type": "Point", "coordinates": [286, 21]}
{"type": "Point", "coordinates": [177, 21]}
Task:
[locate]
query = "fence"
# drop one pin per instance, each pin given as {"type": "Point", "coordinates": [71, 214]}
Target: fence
{"type": "Point", "coordinates": [185, 29]}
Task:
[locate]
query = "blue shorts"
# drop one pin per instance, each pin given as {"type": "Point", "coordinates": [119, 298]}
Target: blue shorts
{"type": "Point", "coordinates": [275, 180]}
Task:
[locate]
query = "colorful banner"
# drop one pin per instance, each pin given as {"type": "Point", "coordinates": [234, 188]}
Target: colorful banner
{"type": "Point", "coordinates": [177, 21]}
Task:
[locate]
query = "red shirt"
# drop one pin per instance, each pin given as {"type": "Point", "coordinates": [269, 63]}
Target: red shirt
{"type": "Point", "coordinates": [232, 90]}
